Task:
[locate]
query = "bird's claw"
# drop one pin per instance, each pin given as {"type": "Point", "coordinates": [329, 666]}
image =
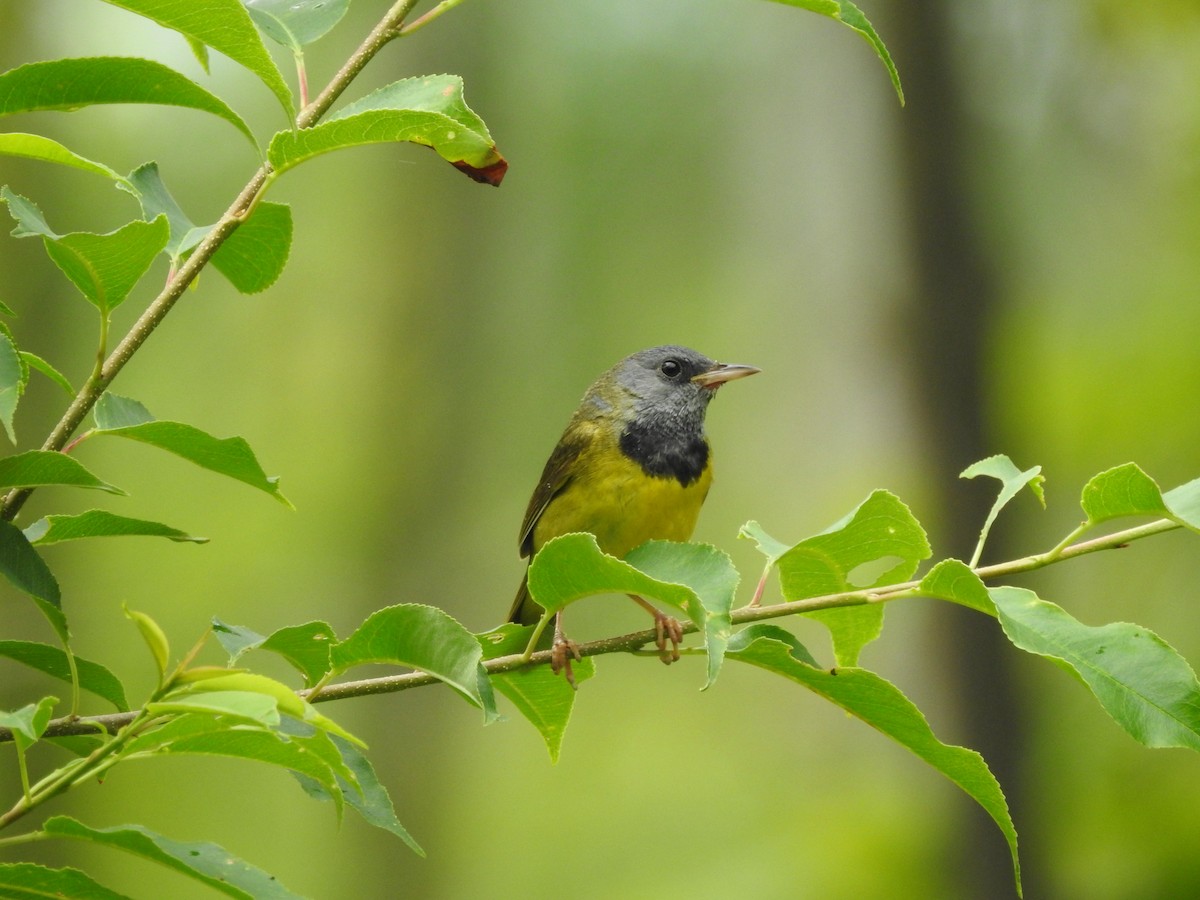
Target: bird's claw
{"type": "Point", "coordinates": [667, 628]}
{"type": "Point", "coordinates": [561, 653]}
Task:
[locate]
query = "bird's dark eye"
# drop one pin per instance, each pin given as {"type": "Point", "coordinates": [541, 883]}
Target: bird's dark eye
{"type": "Point", "coordinates": [671, 368]}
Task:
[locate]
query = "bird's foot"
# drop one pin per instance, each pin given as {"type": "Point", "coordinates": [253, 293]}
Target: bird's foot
{"type": "Point", "coordinates": [562, 651]}
{"type": "Point", "coordinates": [666, 628]}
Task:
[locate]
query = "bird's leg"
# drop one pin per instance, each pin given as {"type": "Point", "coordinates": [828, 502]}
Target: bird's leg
{"type": "Point", "coordinates": [563, 649]}
{"type": "Point", "coordinates": [666, 629]}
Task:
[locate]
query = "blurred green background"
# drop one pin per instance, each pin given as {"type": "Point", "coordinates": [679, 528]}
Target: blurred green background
{"type": "Point", "coordinates": [1008, 264]}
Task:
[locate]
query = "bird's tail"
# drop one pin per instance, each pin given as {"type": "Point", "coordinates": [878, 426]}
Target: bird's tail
{"type": "Point", "coordinates": [525, 611]}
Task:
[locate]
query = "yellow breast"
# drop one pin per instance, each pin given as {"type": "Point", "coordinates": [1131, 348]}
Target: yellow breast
{"type": "Point", "coordinates": [610, 496]}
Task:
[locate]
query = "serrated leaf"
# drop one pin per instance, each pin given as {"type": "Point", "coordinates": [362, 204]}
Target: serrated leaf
{"type": "Point", "coordinates": [69, 84]}
{"type": "Point", "coordinates": [28, 722]}
{"type": "Point", "coordinates": [223, 25]}
{"type": "Point", "coordinates": [1139, 679]}
{"type": "Point", "coordinates": [22, 566]}
{"type": "Point", "coordinates": [953, 580]}
{"type": "Point", "coordinates": [156, 640]}
{"type": "Point", "coordinates": [202, 861]}
{"type": "Point", "coordinates": [370, 800]}
{"type": "Point", "coordinates": [93, 676]}
{"type": "Point", "coordinates": [35, 146]}
{"type": "Point", "coordinates": [850, 15]}
{"type": "Point", "coordinates": [542, 697]}
{"type": "Point", "coordinates": [94, 523]}
{"type": "Point", "coordinates": [114, 411]}
{"type": "Point", "coordinates": [41, 468]}
{"type": "Point", "coordinates": [1012, 480]}
{"type": "Point", "coordinates": [296, 23]}
{"type": "Point", "coordinates": [36, 362]}
{"type": "Point", "coordinates": [881, 705]}
{"type": "Point", "coordinates": [12, 384]}
{"type": "Point", "coordinates": [27, 215]}
{"type": "Point", "coordinates": [231, 457]}
{"type": "Point", "coordinates": [429, 111]}
{"type": "Point", "coordinates": [235, 639]}
{"type": "Point", "coordinates": [878, 543]}
{"type": "Point", "coordinates": [306, 647]}
{"type": "Point", "coordinates": [254, 256]}
{"type": "Point", "coordinates": [28, 881]}
{"type": "Point", "coordinates": [424, 638]}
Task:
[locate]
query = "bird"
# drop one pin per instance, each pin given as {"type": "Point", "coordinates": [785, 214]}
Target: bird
{"type": "Point", "coordinates": [633, 465]}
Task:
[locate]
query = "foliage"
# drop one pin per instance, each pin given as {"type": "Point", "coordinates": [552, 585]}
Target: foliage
{"type": "Point", "coordinates": [842, 577]}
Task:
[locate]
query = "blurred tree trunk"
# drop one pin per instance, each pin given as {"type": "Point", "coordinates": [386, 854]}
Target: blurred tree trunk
{"type": "Point", "coordinates": [955, 294]}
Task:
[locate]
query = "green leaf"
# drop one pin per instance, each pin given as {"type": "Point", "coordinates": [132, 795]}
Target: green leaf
{"type": "Point", "coordinates": [204, 862]}
{"type": "Point", "coordinates": [953, 580]}
{"type": "Point", "coordinates": [22, 566]}
{"type": "Point", "coordinates": [39, 468]}
{"type": "Point", "coordinates": [1012, 480]}
{"type": "Point", "coordinates": [1184, 503]}
{"type": "Point", "coordinates": [105, 267]}
{"type": "Point", "coordinates": [223, 25]}
{"type": "Point", "coordinates": [28, 722]}
{"type": "Point", "coordinates": [29, 218]}
{"type": "Point", "coordinates": [878, 543]}
{"type": "Point", "coordinates": [254, 708]}
{"type": "Point", "coordinates": [30, 881]}
{"type": "Point", "coordinates": [306, 647]}
{"type": "Point", "coordinates": [542, 697]}
{"type": "Point", "coordinates": [36, 362]}
{"type": "Point", "coordinates": [1128, 491]}
{"type": "Point", "coordinates": [113, 411]}
{"type": "Point", "coordinates": [55, 529]}
{"type": "Point", "coordinates": [155, 640]}
{"type": "Point", "coordinates": [424, 638]}
{"type": "Point", "coordinates": [429, 111]}
{"type": "Point", "coordinates": [69, 84]}
{"type": "Point", "coordinates": [253, 257]}
{"type": "Point", "coordinates": [848, 14]}
{"type": "Point", "coordinates": [93, 677]}
{"type": "Point", "coordinates": [12, 383]}
{"type": "Point", "coordinates": [296, 23]}
{"type": "Point", "coordinates": [235, 639]}
{"type": "Point", "coordinates": [34, 146]}
{"type": "Point", "coordinates": [371, 800]}
{"type": "Point", "coordinates": [1141, 682]}
{"type": "Point", "coordinates": [231, 457]}
{"type": "Point", "coordinates": [881, 705]}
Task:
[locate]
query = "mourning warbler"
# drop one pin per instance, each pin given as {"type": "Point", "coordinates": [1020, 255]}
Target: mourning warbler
{"type": "Point", "coordinates": [632, 465]}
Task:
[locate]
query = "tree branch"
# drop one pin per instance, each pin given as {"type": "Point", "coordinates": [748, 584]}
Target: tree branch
{"type": "Point", "coordinates": [386, 30]}
{"type": "Point", "coordinates": [625, 643]}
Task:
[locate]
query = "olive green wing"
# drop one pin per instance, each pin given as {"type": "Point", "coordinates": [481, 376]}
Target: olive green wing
{"type": "Point", "coordinates": [555, 477]}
